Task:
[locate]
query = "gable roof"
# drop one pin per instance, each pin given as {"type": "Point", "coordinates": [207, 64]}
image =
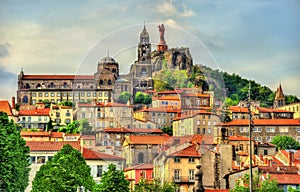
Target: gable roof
{"type": "Point", "coordinates": [5, 107]}
{"type": "Point", "coordinates": [51, 146]}
{"type": "Point", "coordinates": [285, 178]}
{"type": "Point", "coordinates": [35, 112]}
{"type": "Point", "coordinates": [262, 122]}
{"type": "Point", "coordinates": [131, 130]}
{"type": "Point", "coordinates": [95, 155]}
{"type": "Point", "coordinates": [147, 139]}
{"type": "Point", "coordinates": [35, 134]}
{"type": "Point", "coordinates": [190, 151]}
{"type": "Point", "coordinates": [140, 167]}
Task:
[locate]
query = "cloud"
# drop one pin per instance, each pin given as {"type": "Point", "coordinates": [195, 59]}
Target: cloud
{"type": "Point", "coordinates": [4, 49]}
{"type": "Point", "coordinates": [187, 12]}
{"type": "Point", "coordinates": [170, 22]}
{"type": "Point", "coordinates": [167, 8]}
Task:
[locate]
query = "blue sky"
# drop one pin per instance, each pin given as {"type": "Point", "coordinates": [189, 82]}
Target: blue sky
{"type": "Point", "coordinates": [258, 40]}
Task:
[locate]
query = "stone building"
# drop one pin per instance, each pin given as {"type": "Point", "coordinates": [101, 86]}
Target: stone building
{"type": "Point", "coordinates": [140, 149]}
{"type": "Point", "coordinates": [75, 88]}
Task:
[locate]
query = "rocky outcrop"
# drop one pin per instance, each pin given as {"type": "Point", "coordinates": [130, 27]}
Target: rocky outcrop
{"type": "Point", "coordinates": [175, 58]}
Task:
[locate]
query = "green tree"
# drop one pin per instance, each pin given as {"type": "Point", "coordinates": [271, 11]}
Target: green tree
{"type": "Point", "coordinates": [154, 186]}
{"type": "Point", "coordinates": [285, 142]}
{"type": "Point", "coordinates": [124, 97]}
{"type": "Point", "coordinates": [14, 164]}
{"type": "Point", "coordinates": [112, 180]}
{"type": "Point", "coordinates": [139, 97]}
{"type": "Point", "coordinates": [258, 184]}
{"type": "Point", "coordinates": [167, 130]}
{"type": "Point", "coordinates": [290, 189]}
{"type": "Point", "coordinates": [147, 99]}
{"type": "Point", "coordinates": [66, 171]}
{"type": "Point", "coordinates": [85, 127]}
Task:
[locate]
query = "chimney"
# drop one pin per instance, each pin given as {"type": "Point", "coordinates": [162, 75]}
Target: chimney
{"type": "Point", "coordinates": [13, 102]}
{"type": "Point", "coordinates": [290, 158]}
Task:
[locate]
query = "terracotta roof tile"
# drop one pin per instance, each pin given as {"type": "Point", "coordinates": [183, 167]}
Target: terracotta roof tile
{"type": "Point", "coordinates": [191, 113]}
{"type": "Point", "coordinates": [101, 104]}
{"type": "Point", "coordinates": [65, 77]}
{"type": "Point", "coordinates": [160, 109]}
{"type": "Point", "coordinates": [190, 151]}
{"type": "Point", "coordinates": [131, 130]}
{"type": "Point", "coordinates": [50, 146]}
{"type": "Point", "coordinates": [238, 138]}
{"type": "Point", "coordinates": [270, 110]}
{"type": "Point", "coordinates": [35, 134]}
{"type": "Point", "coordinates": [286, 178]}
{"type": "Point", "coordinates": [57, 134]}
{"type": "Point", "coordinates": [203, 139]}
{"type": "Point", "coordinates": [169, 97]}
{"type": "Point", "coordinates": [35, 112]}
{"type": "Point", "coordinates": [88, 137]}
{"type": "Point", "coordinates": [262, 122]}
{"type": "Point", "coordinates": [93, 155]}
{"type": "Point", "coordinates": [5, 107]}
{"type": "Point", "coordinates": [148, 139]}
{"type": "Point", "coordinates": [237, 109]}
{"type": "Point", "coordinates": [280, 169]}
{"type": "Point", "coordinates": [140, 167]}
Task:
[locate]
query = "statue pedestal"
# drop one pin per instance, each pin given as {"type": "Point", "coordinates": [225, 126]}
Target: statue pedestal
{"type": "Point", "coordinates": [162, 47]}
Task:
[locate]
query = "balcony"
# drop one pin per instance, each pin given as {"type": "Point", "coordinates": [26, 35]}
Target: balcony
{"type": "Point", "coordinates": [183, 179]}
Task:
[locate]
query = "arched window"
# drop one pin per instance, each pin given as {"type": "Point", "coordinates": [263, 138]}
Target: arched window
{"type": "Point", "coordinates": [144, 71]}
{"type": "Point", "coordinates": [141, 158]}
{"type": "Point", "coordinates": [109, 82]}
{"type": "Point", "coordinates": [38, 86]}
{"type": "Point", "coordinates": [92, 86]}
{"type": "Point", "coordinates": [27, 86]}
{"type": "Point", "coordinates": [65, 85]}
{"type": "Point", "coordinates": [114, 70]}
{"type": "Point", "coordinates": [25, 99]}
{"type": "Point", "coordinates": [101, 82]}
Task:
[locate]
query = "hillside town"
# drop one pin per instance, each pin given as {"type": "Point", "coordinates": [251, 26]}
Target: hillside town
{"type": "Point", "coordinates": [167, 135]}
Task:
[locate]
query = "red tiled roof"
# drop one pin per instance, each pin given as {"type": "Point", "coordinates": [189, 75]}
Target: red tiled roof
{"type": "Point", "coordinates": [286, 178]}
{"type": "Point", "coordinates": [140, 167]}
{"type": "Point", "coordinates": [191, 113]}
{"type": "Point", "coordinates": [160, 109]}
{"type": "Point", "coordinates": [131, 130]}
{"type": "Point", "coordinates": [262, 122]}
{"type": "Point", "coordinates": [203, 139]}
{"type": "Point", "coordinates": [88, 137]}
{"type": "Point", "coordinates": [95, 155]}
{"type": "Point", "coordinates": [237, 109]}
{"type": "Point", "coordinates": [270, 110]}
{"type": "Point", "coordinates": [51, 146]}
{"type": "Point", "coordinates": [35, 134]}
{"type": "Point", "coordinates": [195, 95]}
{"type": "Point", "coordinates": [101, 104]}
{"type": "Point", "coordinates": [35, 112]}
{"type": "Point", "coordinates": [169, 97]}
{"type": "Point", "coordinates": [279, 169]}
{"type": "Point", "coordinates": [174, 140]}
{"type": "Point", "coordinates": [54, 77]}
{"type": "Point", "coordinates": [238, 138]}
{"type": "Point", "coordinates": [5, 107]}
{"type": "Point", "coordinates": [57, 134]}
{"type": "Point", "coordinates": [148, 139]}
{"type": "Point", "coordinates": [190, 151]}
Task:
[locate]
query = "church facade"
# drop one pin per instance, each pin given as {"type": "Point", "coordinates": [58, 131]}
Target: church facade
{"type": "Point", "coordinates": [104, 86]}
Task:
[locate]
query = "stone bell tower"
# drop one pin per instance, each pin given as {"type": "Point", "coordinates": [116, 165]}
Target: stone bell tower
{"type": "Point", "coordinates": [144, 48]}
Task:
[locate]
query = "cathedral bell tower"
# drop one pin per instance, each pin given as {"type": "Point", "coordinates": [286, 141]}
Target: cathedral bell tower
{"type": "Point", "coordinates": [144, 48]}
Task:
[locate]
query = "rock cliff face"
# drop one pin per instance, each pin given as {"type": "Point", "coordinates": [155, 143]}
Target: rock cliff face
{"type": "Point", "coordinates": [175, 58]}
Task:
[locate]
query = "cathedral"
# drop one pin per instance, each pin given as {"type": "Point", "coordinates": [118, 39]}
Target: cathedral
{"type": "Point", "coordinates": [104, 86]}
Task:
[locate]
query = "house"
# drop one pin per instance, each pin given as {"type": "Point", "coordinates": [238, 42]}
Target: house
{"type": "Point", "coordinates": [264, 129]}
{"type": "Point", "coordinates": [48, 136]}
{"type": "Point", "coordinates": [135, 173]}
{"type": "Point", "coordinates": [142, 149]}
{"type": "Point", "coordinates": [36, 118]}
{"type": "Point", "coordinates": [61, 115]}
{"type": "Point", "coordinates": [293, 107]}
{"type": "Point", "coordinates": [5, 107]}
{"type": "Point", "coordinates": [192, 122]}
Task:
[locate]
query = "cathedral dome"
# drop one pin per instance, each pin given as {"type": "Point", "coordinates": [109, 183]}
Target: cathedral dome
{"type": "Point", "coordinates": [108, 60]}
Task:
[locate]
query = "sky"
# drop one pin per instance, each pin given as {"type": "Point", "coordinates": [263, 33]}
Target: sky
{"type": "Point", "coordinates": [258, 39]}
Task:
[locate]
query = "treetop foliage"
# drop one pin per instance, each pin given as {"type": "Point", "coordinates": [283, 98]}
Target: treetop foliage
{"type": "Point", "coordinates": [66, 171]}
{"type": "Point", "coordinates": [283, 142]}
{"type": "Point", "coordinates": [113, 180]}
{"type": "Point", "coordinates": [14, 164]}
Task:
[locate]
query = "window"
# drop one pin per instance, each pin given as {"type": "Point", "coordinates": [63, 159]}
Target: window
{"type": "Point", "coordinates": [68, 114]}
{"type": "Point", "coordinates": [265, 152]}
{"type": "Point", "coordinates": [257, 129]}
{"type": "Point", "coordinates": [270, 129]}
{"type": "Point", "coordinates": [46, 94]}
{"type": "Point", "coordinates": [25, 99]}
{"type": "Point", "coordinates": [34, 95]}
{"type": "Point", "coordinates": [191, 159]}
{"type": "Point", "coordinates": [298, 129]}
{"type": "Point", "coordinates": [106, 94]}
{"type": "Point", "coordinates": [32, 159]}
{"type": "Point", "coordinates": [141, 158]}
{"type": "Point", "coordinates": [176, 159]}
{"type": "Point", "coordinates": [58, 94]}
{"type": "Point", "coordinates": [100, 94]}
{"type": "Point", "coordinates": [176, 174]}
{"type": "Point", "coordinates": [40, 94]}
{"type": "Point", "coordinates": [99, 170]}
{"type": "Point", "coordinates": [283, 129]}
{"type": "Point", "coordinates": [198, 130]}
{"type": "Point", "coordinates": [198, 122]}
{"type": "Point", "coordinates": [209, 130]}
{"type": "Point", "coordinates": [39, 118]}
{"type": "Point", "coordinates": [241, 147]}
{"type": "Point", "coordinates": [143, 174]}
{"type": "Point", "coordinates": [191, 175]}
{"type": "Point", "coordinates": [88, 94]}
{"type": "Point", "coordinates": [82, 94]}
{"type": "Point", "coordinates": [241, 129]}
{"type": "Point", "coordinates": [41, 159]}
{"type": "Point", "coordinates": [268, 139]}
